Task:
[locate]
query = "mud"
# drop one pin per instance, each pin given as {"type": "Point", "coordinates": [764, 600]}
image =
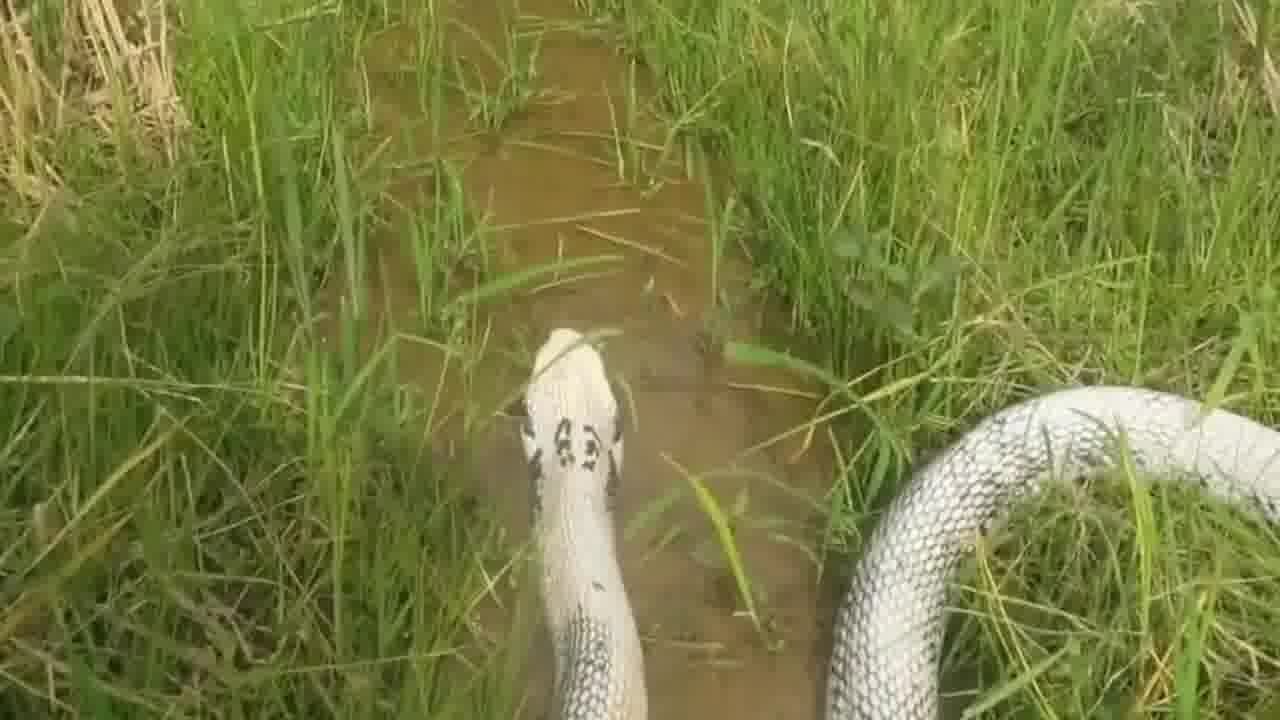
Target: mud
{"type": "Point", "coordinates": [550, 186]}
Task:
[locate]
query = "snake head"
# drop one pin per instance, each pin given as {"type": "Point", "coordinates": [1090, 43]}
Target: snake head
{"type": "Point", "coordinates": [571, 425]}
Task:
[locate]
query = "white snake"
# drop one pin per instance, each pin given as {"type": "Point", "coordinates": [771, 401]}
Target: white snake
{"type": "Point", "coordinates": [889, 629]}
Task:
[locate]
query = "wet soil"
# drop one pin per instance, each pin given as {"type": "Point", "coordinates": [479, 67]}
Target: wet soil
{"type": "Point", "coordinates": [549, 185]}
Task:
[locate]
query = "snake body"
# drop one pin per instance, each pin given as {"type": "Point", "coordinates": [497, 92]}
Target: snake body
{"type": "Point", "coordinates": [889, 627]}
{"type": "Point", "coordinates": [572, 435]}
{"type": "Point", "coordinates": [888, 630]}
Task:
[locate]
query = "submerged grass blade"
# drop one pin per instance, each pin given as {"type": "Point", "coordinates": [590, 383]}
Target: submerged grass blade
{"type": "Point", "coordinates": [723, 527]}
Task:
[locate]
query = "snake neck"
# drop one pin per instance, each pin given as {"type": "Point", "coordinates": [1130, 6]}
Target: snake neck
{"type": "Point", "coordinates": [578, 549]}
{"type": "Point", "coordinates": [599, 665]}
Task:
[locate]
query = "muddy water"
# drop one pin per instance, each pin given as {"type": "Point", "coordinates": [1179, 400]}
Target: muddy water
{"type": "Point", "coordinates": [549, 185]}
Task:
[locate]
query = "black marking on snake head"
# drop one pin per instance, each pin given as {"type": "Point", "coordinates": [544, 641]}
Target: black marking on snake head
{"type": "Point", "coordinates": [564, 442]}
{"type": "Point", "coordinates": [619, 425]}
{"type": "Point", "coordinates": [591, 448]}
{"type": "Point", "coordinates": [598, 587]}
{"type": "Point", "coordinates": [611, 483]}
{"type": "Point", "coordinates": [535, 480]}
{"type": "Point", "coordinates": [526, 422]}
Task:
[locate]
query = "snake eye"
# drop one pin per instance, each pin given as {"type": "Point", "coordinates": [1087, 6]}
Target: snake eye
{"type": "Point", "coordinates": [516, 408]}
{"type": "Point", "coordinates": [519, 408]}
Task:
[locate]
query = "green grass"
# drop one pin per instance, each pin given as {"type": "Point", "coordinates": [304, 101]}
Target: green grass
{"type": "Point", "coordinates": [213, 507]}
{"type": "Point", "coordinates": [966, 203]}
{"type": "Point", "coordinates": [217, 501]}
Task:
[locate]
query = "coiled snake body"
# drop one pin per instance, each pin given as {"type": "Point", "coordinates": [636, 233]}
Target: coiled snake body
{"type": "Point", "coordinates": [889, 628]}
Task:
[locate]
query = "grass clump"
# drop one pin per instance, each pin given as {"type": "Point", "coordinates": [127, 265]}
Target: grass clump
{"type": "Point", "coordinates": [211, 508]}
{"type": "Point", "coordinates": [966, 203]}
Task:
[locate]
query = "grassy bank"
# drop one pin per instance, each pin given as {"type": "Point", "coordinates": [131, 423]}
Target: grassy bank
{"type": "Point", "coordinates": [210, 507]}
{"type": "Point", "coordinates": [967, 202]}
{"type": "Point", "coordinates": [217, 497]}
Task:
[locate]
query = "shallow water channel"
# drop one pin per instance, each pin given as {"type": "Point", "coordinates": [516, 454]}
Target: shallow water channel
{"type": "Point", "coordinates": [550, 188]}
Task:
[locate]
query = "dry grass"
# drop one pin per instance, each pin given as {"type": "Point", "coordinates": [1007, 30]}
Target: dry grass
{"type": "Point", "coordinates": [114, 73]}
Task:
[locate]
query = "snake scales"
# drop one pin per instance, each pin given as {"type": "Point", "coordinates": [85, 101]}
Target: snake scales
{"type": "Point", "coordinates": [888, 630]}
